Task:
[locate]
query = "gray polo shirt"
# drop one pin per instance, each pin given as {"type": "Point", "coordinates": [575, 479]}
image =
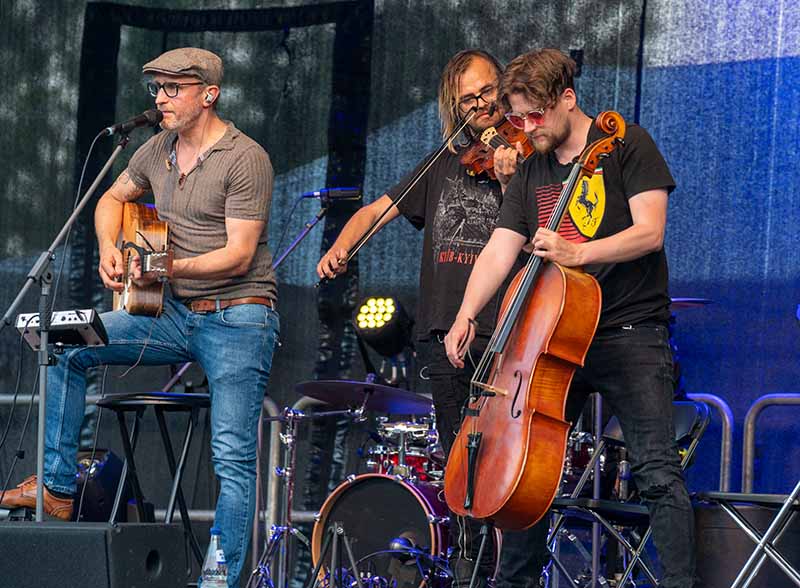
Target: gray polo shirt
{"type": "Point", "coordinates": [233, 180]}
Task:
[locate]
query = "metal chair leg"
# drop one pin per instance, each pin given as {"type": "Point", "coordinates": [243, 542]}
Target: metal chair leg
{"type": "Point", "coordinates": [177, 474]}
{"type": "Point", "coordinates": [129, 467]}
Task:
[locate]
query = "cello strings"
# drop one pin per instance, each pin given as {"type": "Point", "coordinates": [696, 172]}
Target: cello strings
{"type": "Point", "coordinates": [531, 270]}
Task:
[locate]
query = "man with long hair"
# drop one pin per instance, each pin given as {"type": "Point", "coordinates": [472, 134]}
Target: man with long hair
{"type": "Point", "coordinates": [457, 212]}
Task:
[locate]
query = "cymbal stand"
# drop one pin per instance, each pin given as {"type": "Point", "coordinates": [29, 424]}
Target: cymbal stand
{"type": "Point", "coordinates": [278, 543]}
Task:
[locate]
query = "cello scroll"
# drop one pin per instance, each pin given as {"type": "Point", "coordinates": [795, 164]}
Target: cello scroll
{"type": "Point", "coordinates": [613, 125]}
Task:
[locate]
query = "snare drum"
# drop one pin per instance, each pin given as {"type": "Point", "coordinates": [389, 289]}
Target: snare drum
{"type": "Point", "coordinates": [420, 434]}
{"type": "Point", "coordinates": [384, 460]}
{"type": "Point", "coordinates": [406, 450]}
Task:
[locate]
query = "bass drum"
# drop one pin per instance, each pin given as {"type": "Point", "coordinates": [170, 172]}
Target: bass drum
{"type": "Point", "coordinates": [375, 510]}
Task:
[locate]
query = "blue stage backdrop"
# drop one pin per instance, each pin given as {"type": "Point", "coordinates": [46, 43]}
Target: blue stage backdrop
{"type": "Point", "coordinates": [715, 84]}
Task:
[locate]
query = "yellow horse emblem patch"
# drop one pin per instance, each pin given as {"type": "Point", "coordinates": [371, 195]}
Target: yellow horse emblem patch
{"type": "Point", "coordinates": [588, 204]}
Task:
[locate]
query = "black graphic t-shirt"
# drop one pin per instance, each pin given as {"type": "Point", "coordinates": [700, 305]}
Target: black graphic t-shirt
{"type": "Point", "coordinates": [458, 213]}
{"type": "Point", "coordinates": [634, 292]}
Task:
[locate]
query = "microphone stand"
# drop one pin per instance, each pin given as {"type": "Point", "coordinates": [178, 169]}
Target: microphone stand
{"type": "Point", "coordinates": [325, 205]}
{"type": "Point", "coordinates": [40, 273]}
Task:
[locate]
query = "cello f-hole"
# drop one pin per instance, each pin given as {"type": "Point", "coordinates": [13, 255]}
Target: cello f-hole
{"type": "Point", "coordinates": [518, 377]}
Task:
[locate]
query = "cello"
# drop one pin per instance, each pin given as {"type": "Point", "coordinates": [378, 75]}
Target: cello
{"type": "Point", "coordinates": [506, 463]}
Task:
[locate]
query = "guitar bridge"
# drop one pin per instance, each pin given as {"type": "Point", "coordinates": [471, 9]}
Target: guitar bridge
{"type": "Point", "coordinates": [159, 262]}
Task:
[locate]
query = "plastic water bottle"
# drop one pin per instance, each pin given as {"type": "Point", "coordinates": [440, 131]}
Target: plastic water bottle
{"type": "Point", "coordinates": [215, 569]}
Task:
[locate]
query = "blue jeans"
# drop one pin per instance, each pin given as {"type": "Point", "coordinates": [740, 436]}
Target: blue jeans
{"type": "Point", "coordinates": [234, 347]}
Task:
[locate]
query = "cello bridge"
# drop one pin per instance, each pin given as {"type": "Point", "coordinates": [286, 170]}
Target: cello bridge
{"type": "Point", "coordinates": [490, 388]}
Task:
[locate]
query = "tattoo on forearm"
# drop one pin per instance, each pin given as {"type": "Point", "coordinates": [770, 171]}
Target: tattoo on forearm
{"type": "Point", "coordinates": [127, 189]}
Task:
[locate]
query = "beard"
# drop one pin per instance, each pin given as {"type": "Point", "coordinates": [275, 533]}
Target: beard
{"type": "Point", "coordinates": [548, 140]}
{"type": "Point", "coordinates": [178, 122]}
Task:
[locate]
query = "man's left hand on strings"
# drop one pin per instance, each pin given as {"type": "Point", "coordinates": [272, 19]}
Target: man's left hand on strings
{"type": "Point", "coordinates": [551, 246]}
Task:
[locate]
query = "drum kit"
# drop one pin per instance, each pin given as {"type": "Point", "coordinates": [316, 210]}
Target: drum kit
{"type": "Point", "coordinates": [389, 524]}
{"type": "Point", "coordinates": [387, 527]}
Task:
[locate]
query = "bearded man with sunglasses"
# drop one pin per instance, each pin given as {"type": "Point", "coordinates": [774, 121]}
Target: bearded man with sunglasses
{"type": "Point", "coordinates": [213, 186]}
{"type": "Point", "coordinates": [457, 212]}
{"type": "Point", "coordinates": [614, 229]}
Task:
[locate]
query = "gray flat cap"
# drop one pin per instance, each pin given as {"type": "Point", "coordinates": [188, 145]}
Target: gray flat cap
{"type": "Point", "coordinates": [187, 61]}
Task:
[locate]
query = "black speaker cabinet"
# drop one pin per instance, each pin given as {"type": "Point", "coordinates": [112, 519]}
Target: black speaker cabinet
{"type": "Point", "coordinates": [723, 548]}
{"type": "Point", "coordinates": [100, 555]}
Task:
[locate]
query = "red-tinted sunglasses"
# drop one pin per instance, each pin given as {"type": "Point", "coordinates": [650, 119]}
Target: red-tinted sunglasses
{"type": "Point", "coordinates": [517, 119]}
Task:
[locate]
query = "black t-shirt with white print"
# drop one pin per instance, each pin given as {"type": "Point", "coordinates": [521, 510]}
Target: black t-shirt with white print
{"type": "Point", "coordinates": [458, 213]}
{"type": "Point", "coordinates": [634, 292]}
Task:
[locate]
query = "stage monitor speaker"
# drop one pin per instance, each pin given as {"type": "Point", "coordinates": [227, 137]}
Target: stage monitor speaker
{"type": "Point", "coordinates": [100, 555]}
{"type": "Point", "coordinates": [723, 548]}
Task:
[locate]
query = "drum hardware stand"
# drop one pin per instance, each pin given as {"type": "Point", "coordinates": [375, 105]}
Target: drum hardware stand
{"type": "Point", "coordinates": [335, 538]}
{"type": "Point", "coordinates": [597, 579]}
{"type": "Point", "coordinates": [278, 543]}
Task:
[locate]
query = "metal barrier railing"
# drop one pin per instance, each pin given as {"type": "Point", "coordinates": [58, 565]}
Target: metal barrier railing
{"type": "Point", "coordinates": [270, 513]}
{"type": "Point", "coordinates": [726, 449]}
{"type": "Point", "coordinates": [749, 442]}
{"type": "Point", "coordinates": [24, 399]}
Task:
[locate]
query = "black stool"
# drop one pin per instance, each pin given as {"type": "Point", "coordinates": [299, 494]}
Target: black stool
{"type": "Point", "coordinates": [161, 402]}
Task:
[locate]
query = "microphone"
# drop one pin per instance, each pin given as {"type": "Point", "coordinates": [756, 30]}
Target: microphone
{"type": "Point", "coordinates": [492, 108]}
{"type": "Point", "coordinates": [404, 548]}
{"type": "Point", "coordinates": [348, 193]}
{"type": "Point", "coordinates": [149, 118]}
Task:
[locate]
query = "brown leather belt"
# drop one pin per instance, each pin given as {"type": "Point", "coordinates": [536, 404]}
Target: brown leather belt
{"type": "Point", "coordinates": [210, 305]}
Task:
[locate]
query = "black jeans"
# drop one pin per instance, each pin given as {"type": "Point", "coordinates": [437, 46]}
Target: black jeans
{"type": "Point", "coordinates": [632, 368]}
{"type": "Point", "coordinates": [524, 553]}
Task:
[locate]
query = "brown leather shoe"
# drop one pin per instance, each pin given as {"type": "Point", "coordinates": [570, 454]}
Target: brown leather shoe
{"type": "Point", "coordinates": [24, 495]}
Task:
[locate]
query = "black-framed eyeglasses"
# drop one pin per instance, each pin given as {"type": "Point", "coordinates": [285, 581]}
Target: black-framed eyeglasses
{"type": "Point", "coordinates": [170, 88]}
{"type": "Point", "coordinates": [471, 100]}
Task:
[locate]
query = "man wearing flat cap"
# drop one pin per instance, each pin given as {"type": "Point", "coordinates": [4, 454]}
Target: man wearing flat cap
{"type": "Point", "coordinates": [213, 186]}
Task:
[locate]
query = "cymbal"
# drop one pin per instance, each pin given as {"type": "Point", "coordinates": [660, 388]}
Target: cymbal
{"type": "Point", "coordinates": [680, 303]}
{"type": "Point", "coordinates": [380, 398]}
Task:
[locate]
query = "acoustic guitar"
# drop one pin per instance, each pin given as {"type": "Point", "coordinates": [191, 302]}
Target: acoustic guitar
{"type": "Point", "coordinates": [145, 237]}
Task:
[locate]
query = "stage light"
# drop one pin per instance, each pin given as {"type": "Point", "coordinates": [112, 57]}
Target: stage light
{"type": "Point", "coordinates": [383, 324]}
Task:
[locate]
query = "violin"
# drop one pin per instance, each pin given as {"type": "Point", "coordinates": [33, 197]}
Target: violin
{"type": "Point", "coordinates": [479, 156]}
